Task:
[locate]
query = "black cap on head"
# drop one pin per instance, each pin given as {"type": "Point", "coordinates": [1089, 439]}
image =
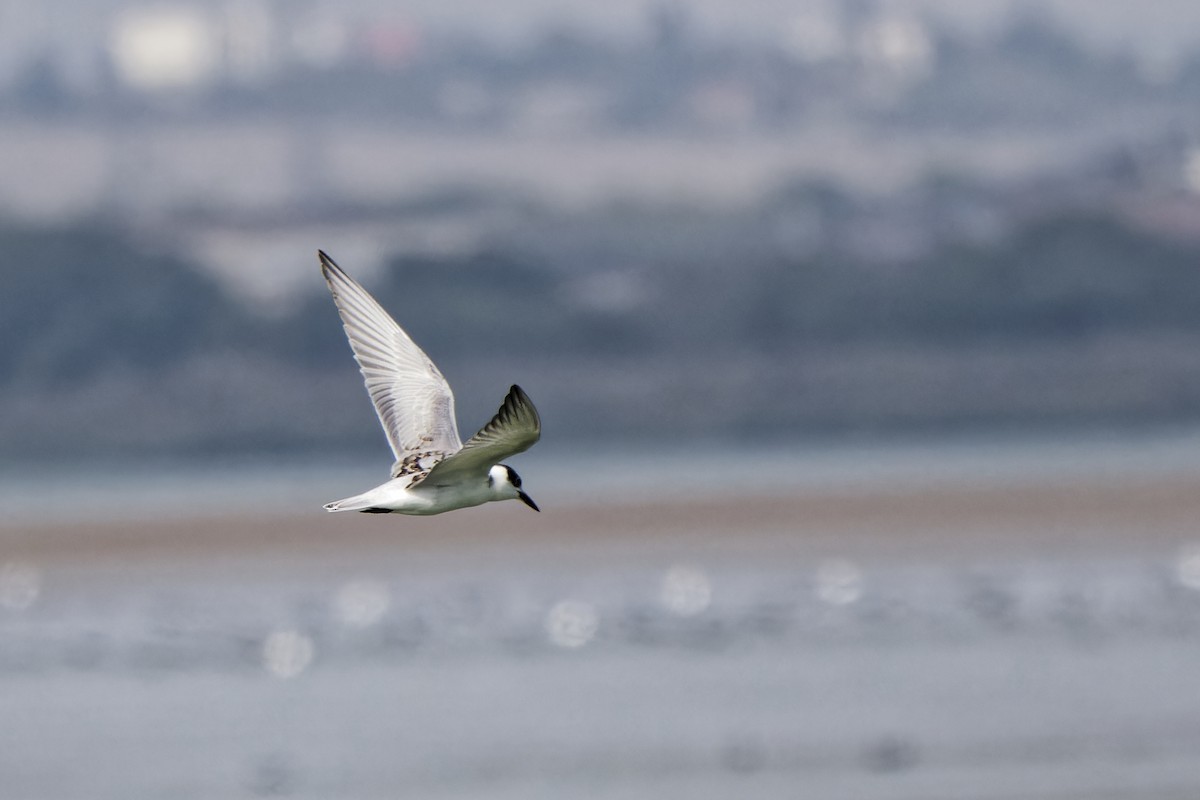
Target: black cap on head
{"type": "Point", "coordinates": [513, 477]}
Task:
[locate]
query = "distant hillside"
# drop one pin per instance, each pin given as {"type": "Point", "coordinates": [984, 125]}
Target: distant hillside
{"type": "Point", "coordinates": [657, 330]}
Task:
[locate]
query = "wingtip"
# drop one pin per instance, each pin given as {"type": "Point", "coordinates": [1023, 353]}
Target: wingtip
{"type": "Point", "coordinates": [518, 393]}
{"type": "Point", "coordinates": [328, 265]}
{"type": "Point", "coordinates": [517, 399]}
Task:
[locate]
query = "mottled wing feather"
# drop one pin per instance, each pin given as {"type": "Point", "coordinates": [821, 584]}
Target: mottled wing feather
{"type": "Point", "coordinates": [413, 400]}
{"type": "Point", "coordinates": [415, 466]}
{"type": "Point", "coordinates": [514, 429]}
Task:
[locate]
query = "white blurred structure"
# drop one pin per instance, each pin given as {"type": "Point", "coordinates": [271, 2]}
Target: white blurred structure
{"type": "Point", "coordinates": [165, 47]}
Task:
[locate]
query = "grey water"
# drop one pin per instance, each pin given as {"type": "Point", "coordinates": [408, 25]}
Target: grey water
{"type": "Point", "coordinates": [1029, 676]}
{"type": "Point", "coordinates": [1033, 681]}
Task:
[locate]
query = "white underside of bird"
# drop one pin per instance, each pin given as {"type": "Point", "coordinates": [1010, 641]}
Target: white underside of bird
{"type": "Point", "coordinates": [434, 470]}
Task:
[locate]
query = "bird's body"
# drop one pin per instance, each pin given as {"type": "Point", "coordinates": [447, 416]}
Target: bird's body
{"type": "Point", "coordinates": [395, 497]}
{"type": "Point", "coordinates": [434, 470]}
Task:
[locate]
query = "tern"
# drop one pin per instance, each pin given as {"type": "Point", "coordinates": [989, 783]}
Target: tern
{"type": "Point", "coordinates": [434, 471]}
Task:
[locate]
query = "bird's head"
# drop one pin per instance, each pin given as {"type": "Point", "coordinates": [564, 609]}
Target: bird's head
{"type": "Point", "coordinates": [506, 485]}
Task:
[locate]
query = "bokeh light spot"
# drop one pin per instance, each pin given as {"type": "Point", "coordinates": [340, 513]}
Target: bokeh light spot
{"type": "Point", "coordinates": [572, 623]}
{"type": "Point", "coordinates": [1187, 566]}
{"type": "Point", "coordinates": [686, 590]}
{"type": "Point", "coordinates": [20, 585]}
{"type": "Point", "coordinates": [285, 654]}
{"type": "Point", "coordinates": [839, 582]}
{"type": "Point", "coordinates": [362, 603]}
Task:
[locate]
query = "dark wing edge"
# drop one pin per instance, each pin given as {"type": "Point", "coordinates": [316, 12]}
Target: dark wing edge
{"type": "Point", "coordinates": [516, 425]}
{"type": "Point", "coordinates": [334, 274]}
{"type": "Point", "coordinates": [515, 428]}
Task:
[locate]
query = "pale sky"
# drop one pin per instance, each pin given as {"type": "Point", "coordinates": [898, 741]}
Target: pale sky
{"type": "Point", "coordinates": [1148, 25]}
{"type": "Point", "coordinates": [1159, 32]}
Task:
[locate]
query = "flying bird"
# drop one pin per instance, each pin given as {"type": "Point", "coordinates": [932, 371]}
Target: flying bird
{"type": "Point", "coordinates": [435, 471]}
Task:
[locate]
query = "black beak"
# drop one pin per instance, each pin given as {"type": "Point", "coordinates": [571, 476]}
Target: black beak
{"type": "Point", "coordinates": [527, 500]}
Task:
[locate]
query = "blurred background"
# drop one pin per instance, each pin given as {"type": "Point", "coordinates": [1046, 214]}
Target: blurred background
{"type": "Point", "coordinates": [864, 334]}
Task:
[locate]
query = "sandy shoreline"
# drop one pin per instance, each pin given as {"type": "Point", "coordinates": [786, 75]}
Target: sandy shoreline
{"type": "Point", "coordinates": [1069, 518]}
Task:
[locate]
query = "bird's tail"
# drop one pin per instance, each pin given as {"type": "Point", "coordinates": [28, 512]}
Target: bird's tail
{"type": "Point", "coordinates": [356, 503]}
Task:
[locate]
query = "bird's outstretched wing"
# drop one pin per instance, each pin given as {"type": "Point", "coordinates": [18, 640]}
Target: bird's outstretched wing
{"type": "Point", "coordinates": [513, 430]}
{"type": "Point", "coordinates": [413, 400]}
